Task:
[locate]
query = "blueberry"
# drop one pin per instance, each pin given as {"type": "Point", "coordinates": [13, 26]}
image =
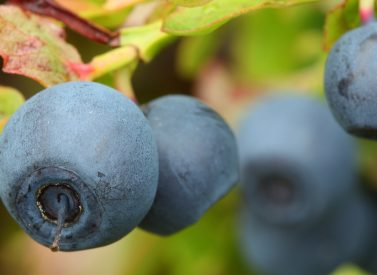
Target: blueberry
{"type": "Point", "coordinates": [296, 162]}
{"type": "Point", "coordinates": [79, 158]}
{"type": "Point", "coordinates": [316, 250]}
{"type": "Point", "coordinates": [369, 261]}
{"type": "Point", "coordinates": [198, 162]}
{"type": "Point", "coordinates": [350, 81]}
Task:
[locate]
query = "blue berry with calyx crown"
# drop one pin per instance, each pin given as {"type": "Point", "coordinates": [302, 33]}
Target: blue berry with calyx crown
{"type": "Point", "coordinates": [78, 166]}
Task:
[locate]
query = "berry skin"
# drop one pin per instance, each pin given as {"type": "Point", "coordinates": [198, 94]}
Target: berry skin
{"type": "Point", "coordinates": [339, 237]}
{"type": "Point", "coordinates": [82, 156]}
{"type": "Point", "coordinates": [296, 162]}
{"type": "Point", "coordinates": [369, 261]}
{"type": "Point", "coordinates": [350, 81]}
{"type": "Point", "coordinates": [198, 162]}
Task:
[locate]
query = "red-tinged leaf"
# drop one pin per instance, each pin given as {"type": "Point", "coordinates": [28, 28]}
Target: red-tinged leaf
{"type": "Point", "coordinates": [34, 46]}
{"type": "Point", "coordinates": [52, 9]}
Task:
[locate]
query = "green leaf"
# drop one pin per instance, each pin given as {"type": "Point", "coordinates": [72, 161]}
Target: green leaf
{"type": "Point", "coordinates": [107, 13]}
{"type": "Point", "coordinates": [341, 19]}
{"type": "Point", "coordinates": [10, 100]}
{"type": "Point", "coordinates": [148, 39]}
{"type": "Point", "coordinates": [137, 43]}
{"type": "Point", "coordinates": [204, 19]}
{"type": "Point", "coordinates": [109, 18]}
{"type": "Point", "coordinates": [189, 3]}
{"type": "Point", "coordinates": [34, 46]}
{"type": "Point", "coordinates": [81, 5]}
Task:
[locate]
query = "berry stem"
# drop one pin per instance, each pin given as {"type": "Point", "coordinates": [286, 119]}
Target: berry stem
{"type": "Point", "coordinates": [140, 43]}
{"type": "Point", "coordinates": [366, 11]}
{"type": "Point", "coordinates": [111, 61]}
{"type": "Point", "coordinates": [64, 202]}
{"type": "Point", "coordinates": [122, 81]}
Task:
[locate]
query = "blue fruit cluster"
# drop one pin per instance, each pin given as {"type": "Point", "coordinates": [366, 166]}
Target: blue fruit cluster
{"type": "Point", "coordinates": [350, 85]}
{"type": "Point", "coordinates": [79, 165]}
{"type": "Point", "coordinates": [304, 211]}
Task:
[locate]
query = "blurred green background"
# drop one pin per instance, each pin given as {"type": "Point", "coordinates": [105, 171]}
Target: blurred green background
{"type": "Point", "coordinates": [267, 51]}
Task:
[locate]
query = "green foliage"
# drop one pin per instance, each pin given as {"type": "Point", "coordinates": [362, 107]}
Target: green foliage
{"type": "Point", "coordinates": [105, 13]}
{"type": "Point", "coordinates": [341, 19]}
{"type": "Point", "coordinates": [109, 18]}
{"type": "Point", "coordinates": [209, 247]}
{"type": "Point", "coordinates": [204, 19]}
{"type": "Point", "coordinates": [266, 45]}
{"type": "Point", "coordinates": [189, 3]}
{"type": "Point", "coordinates": [194, 52]}
{"type": "Point", "coordinates": [147, 39]}
{"type": "Point", "coordinates": [137, 43]}
{"type": "Point", "coordinates": [349, 269]}
{"type": "Point", "coordinates": [10, 100]}
{"type": "Point", "coordinates": [277, 42]}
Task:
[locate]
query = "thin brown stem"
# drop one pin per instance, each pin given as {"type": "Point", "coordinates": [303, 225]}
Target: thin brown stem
{"type": "Point", "coordinates": [63, 201]}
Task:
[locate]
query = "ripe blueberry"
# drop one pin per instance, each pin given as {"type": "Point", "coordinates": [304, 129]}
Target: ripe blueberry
{"type": "Point", "coordinates": [339, 237]}
{"type": "Point", "coordinates": [79, 158]}
{"type": "Point", "coordinates": [198, 162]}
{"type": "Point", "coordinates": [369, 261]}
{"type": "Point", "coordinates": [296, 162]}
{"type": "Point", "coordinates": [350, 81]}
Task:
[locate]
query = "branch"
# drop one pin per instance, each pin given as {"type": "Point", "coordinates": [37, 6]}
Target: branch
{"type": "Point", "coordinates": [52, 9]}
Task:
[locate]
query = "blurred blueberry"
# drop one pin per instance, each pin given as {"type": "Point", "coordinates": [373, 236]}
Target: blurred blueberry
{"type": "Point", "coordinates": [198, 162]}
{"type": "Point", "coordinates": [369, 261]}
{"type": "Point", "coordinates": [339, 237]}
{"type": "Point", "coordinates": [296, 162]}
